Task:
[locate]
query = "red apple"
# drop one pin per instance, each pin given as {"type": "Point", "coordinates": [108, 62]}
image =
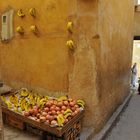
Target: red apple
{"type": "Point", "coordinates": [64, 108]}
{"type": "Point", "coordinates": [66, 103]}
{"type": "Point", "coordinates": [46, 109]}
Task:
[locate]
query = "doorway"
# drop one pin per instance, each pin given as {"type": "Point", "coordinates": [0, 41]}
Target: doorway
{"type": "Point", "coordinates": [136, 56]}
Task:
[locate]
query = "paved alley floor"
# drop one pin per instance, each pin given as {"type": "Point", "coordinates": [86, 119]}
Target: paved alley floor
{"type": "Point", "coordinates": [11, 133]}
{"type": "Point", "coordinates": [128, 126]}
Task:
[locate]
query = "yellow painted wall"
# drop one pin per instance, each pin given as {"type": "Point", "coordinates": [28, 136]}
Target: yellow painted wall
{"type": "Point", "coordinates": [42, 60]}
{"type": "Point", "coordinates": [116, 43]}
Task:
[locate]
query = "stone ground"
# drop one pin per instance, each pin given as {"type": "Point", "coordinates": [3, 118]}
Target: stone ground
{"type": "Point", "coordinates": [11, 133]}
{"type": "Point", "coordinates": [128, 125]}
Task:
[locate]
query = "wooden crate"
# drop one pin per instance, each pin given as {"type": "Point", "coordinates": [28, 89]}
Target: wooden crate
{"type": "Point", "coordinates": [14, 121]}
{"type": "Point", "coordinates": [34, 130]}
{"type": "Point", "coordinates": [73, 133]}
{"type": "Point", "coordinates": [70, 131]}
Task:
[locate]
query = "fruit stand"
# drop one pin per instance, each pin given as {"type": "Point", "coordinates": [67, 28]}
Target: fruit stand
{"type": "Point", "coordinates": [53, 118]}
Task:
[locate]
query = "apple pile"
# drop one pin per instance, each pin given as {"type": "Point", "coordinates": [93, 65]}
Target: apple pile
{"type": "Point", "coordinates": [55, 112]}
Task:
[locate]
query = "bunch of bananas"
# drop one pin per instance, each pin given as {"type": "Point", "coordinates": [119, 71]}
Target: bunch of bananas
{"type": "Point", "coordinates": [32, 12]}
{"type": "Point", "coordinates": [20, 30]}
{"type": "Point", "coordinates": [14, 100]}
{"type": "Point", "coordinates": [24, 105]}
{"type": "Point", "coordinates": [70, 26]}
{"type": "Point", "coordinates": [42, 101]}
{"type": "Point", "coordinates": [70, 44]}
{"type": "Point", "coordinates": [24, 101]}
{"type": "Point", "coordinates": [60, 120]}
{"type": "Point", "coordinates": [62, 98]}
{"type": "Point", "coordinates": [3, 98]}
{"type": "Point", "coordinates": [20, 13]}
{"type": "Point", "coordinates": [8, 103]}
{"type": "Point", "coordinates": [24, 92]}
{"type": "Point", "coordinates": [81, 103]}
{"type": "Point", "coordinates": [67, 113]}
{"type": "Point", "coordinates": [34, 29]}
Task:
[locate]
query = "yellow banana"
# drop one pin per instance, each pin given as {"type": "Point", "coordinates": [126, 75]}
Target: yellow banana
{"type": "Point", "coordinates": [70, 26]}
{"type": "Point", "coordinates": [33, 29]}
{"type": "Point", "coordinates": [30, 96]}
{"type": "Point", "coordinates": [32, 101]}
{"type": "Point", "coordinates": [47, 98]}
{"type": "Point", "coordinates": [60, 120]}
{"type": "Point", "coordinates": [32, 12]}
{"type": "Point", "coordinates": [81, 105]}
{"type": "Point", "coordinates": [42, 102]}
{"type": "Point", "coordinates": [62, 98]}
{"type": "Point", "coordinates": [70, 44]}
{"type": "Point", "coordinates": [22, 104]}
{"type": "Point", "coordinates": [20, 13]}
{"type": "Point", "coordinates": [67, 111]}
{"type": "Point", "coordinates": [20, 29]}
{"type": "Point", "coordinates": [38, 100]}
{"type": "Point", "coordinates": [14, 99]}
{"type": "Point", "coordinates": [9, 105]}
{"type": "Point", "coordinates": [24, 93]}
{"type": "Point", "coordinates": [3, 98]}
{"type": "Point", "coordinates": [26, 107]}
{"type": "Point", "coordinates": [67, 115]}
{"type": "Point", "coordinates": [81, 101]}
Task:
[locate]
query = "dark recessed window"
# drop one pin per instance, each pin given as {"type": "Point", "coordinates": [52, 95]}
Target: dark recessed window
{"type": "Point", "coordinates": [4, 19]}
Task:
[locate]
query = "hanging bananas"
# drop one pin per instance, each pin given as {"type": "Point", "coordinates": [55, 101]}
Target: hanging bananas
{"type": "Point", "coordinates": [20, 13]}
{"type": "Point", "coordinates": [20, 30]}
{"type": "Point", "coordinates": [70, 26]}
{"type": "Point", "coordinates": [32, 12]}
{"type": "Point", "coordinates": [34, 29]}
{"type": "Point", "coordinates": [70, 44]}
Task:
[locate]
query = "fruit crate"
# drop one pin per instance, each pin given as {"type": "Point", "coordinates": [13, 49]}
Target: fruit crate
{"type": "Point", "coordinates": [13, 121]}
{"type": "Point", "coordinates": [67, 120]}
{"type": "Point", "coordinates": [73, 133]}
{"type": "Point", "coordinates": [70, 131]}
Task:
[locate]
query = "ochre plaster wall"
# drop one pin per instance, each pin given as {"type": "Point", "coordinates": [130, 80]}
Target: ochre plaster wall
{"type": "Point", "coordinates": [103, 57]}
{"type": "Point", "coordinates": [116, 43]}
{"type": "Point", "coordinates": [83, 77]}
{"type": "Point", "coordinates": [42, 60]}
{"type": "Point", "coordinates": [98, 71]}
